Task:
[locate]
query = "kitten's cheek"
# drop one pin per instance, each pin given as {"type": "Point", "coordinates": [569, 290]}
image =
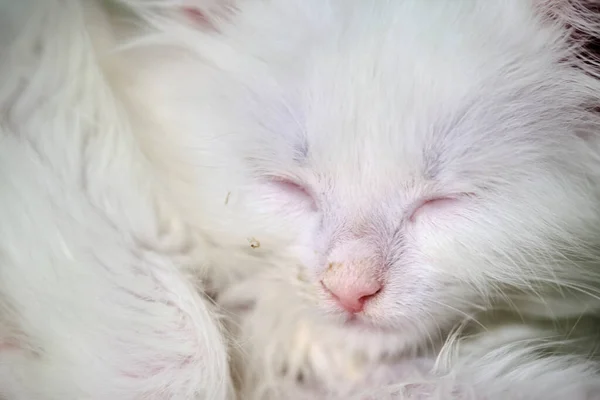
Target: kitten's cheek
{"type": "Point", "coordinates": [307, 249]}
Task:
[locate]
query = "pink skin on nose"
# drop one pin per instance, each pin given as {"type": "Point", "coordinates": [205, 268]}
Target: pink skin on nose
{"type": "Point", "coordinates": [351, 284]}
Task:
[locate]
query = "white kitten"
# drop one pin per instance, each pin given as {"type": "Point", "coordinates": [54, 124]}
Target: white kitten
{"type": "Point", "coordinates": [425, 164]}
{"type": "Point", "coordinates": [438, 163]}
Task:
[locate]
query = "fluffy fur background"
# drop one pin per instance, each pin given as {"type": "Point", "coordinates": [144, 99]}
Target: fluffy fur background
{"type": "Point", "coordinates": [143, 256]}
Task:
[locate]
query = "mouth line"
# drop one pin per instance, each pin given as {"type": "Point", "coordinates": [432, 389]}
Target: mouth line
{"type": "Point", "coordinates": [358, 322]}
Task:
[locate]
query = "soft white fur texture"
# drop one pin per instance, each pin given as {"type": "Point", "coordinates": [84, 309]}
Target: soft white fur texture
{"type": "Point", "coordinates": [95, 303]}
{"type": "Point", "coordinates": [152, 155]}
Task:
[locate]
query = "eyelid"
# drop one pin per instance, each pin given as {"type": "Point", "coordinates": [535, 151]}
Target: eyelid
{"type": "Point", "coordinates": [292, 184]}
{"type": "Point", "coordinates": [298, 186]}
{"type": "Point", "coordinates": [432, 200]}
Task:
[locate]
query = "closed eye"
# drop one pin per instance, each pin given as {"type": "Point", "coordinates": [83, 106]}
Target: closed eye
{"type": "Point", "coordinates": [435, 205]}
{"type": "Point", "coordinates": [291, 187]}
{"type": "Point", "coordinates": [295, 190]}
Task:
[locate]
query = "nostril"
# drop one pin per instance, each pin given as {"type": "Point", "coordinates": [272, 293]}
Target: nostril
{"type": "Point", "coordinates": [351, 297]}
{"type": "Point", "coordinates": [366, 297]}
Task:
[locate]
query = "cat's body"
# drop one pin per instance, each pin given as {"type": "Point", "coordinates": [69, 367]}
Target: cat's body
{"type": "Point", "coordinates": [95, 304]}
{"type": "Point", "coordinates": [433, 166]}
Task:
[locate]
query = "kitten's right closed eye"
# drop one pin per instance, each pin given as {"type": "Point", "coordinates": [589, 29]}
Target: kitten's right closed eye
{"type": "Point", "coordinates": [295, 190]}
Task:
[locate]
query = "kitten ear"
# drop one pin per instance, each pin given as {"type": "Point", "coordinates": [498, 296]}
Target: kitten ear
{"type": "Point", "coordinates": [201, 14]}
{"type": "Point", "coordinates": [581, 16]}
{"type": "Point", "coordinates": [581, 22]}
{"type": "Point", "coordinates": [208, 14]}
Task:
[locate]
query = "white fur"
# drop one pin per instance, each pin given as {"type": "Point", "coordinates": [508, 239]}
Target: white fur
{"type": "Point", "coordinates": [146, 150]}
{"type": "Point", "coordinates": [95, 304]}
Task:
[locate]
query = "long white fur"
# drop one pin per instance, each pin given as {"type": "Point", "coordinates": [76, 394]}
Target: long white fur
{"type": "Point", "coordinates": [95, 304]}
{"type": "Point", "coordinates": [137, 149]}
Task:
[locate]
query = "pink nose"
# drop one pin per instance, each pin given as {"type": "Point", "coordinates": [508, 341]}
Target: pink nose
{"type": "Point", "coordinates": [352, 296]}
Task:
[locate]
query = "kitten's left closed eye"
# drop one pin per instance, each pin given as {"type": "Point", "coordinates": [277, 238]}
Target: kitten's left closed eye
{"type": "Point", "coordinates": [433, 205]}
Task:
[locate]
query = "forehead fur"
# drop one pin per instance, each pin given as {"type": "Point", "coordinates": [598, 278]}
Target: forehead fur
{"type": "Point", "coordinates": [418, 100]}
{"type": "Point", "coordinates": [385, 93]}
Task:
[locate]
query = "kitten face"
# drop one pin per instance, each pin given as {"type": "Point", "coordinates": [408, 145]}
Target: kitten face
{"type": "Point", "coordinates": [430, 162]}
